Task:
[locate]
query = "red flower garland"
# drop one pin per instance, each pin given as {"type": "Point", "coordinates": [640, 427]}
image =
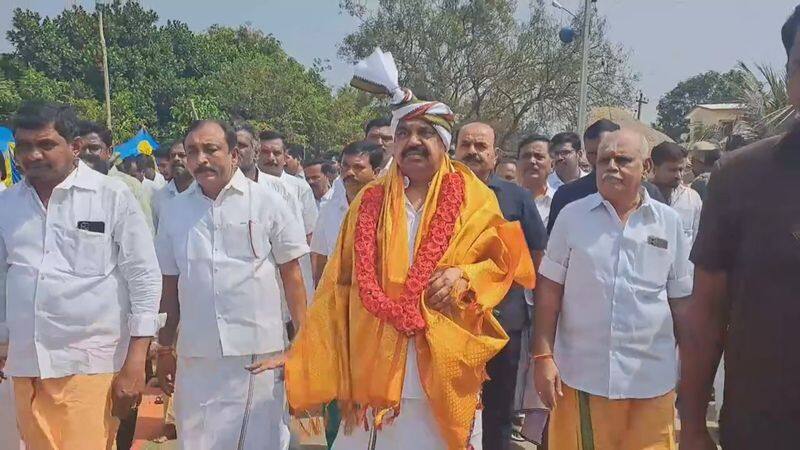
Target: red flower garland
{"type": "Point", "coordinates": [404, 313]}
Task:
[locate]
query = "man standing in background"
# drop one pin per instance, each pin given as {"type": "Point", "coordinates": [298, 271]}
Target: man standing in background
{"type": "Point", "coordinates": [181, 180]}
{"type": "Point", "coordinates": [317, 179]}
{"type": "Point", "coordinates": [565, 149]}
{"type": "Point", "coordinates": [96, 139]}
{"type": "Point", "coordinates": [669, 162]}
{"type": "Point", "coordinates": [506, 170]}
{"type": "Point", "coordinates": [475, 148]}
{"type": "Point", "coordinates": [295, 156]}
{"type": "Point", "coordinates": [704, 156]}
{"type": "Point", "coordinates": [361, 162]}
{"type": "Point", "coordinates": [379, 131]}
{"type": "Point", "coordinates": [534, 167]}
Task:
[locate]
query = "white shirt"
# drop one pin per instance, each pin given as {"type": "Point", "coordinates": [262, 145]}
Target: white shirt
{"type": "Point", "coordinates": [149, 187]}
{"type": "Point", "coordinates": [75, 296]}
{"type": "Point", "coordinates": [291, 194]}
{"type": "Point", "coordinates": [224, 253]}
{"type": "Point", "coordinates": [555, 181]}
{"type": "Point", "coordinates": [329, 224]}
{"type": "Point", "coordinates": [614, 336]}
{"type": "Point", "coordinates": [160, 198]}
{"type": "Point", "coordinates": [306, 197]}
{"type": "Point", "coordinates": [412, 386]}
{"type": "Point", "coordinates": [543, 203]}
{"type": "Point", "coordinates": [159, 180]}
{"type": "Point", "coordinates": [686, 201]}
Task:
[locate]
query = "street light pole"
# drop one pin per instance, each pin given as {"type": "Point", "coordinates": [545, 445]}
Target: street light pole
{"type": "Point", "coordinates": [584, 86]}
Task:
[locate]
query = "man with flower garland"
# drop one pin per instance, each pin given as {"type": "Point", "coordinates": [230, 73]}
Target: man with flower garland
{"type": "Point", "coordinates": [401, 326]}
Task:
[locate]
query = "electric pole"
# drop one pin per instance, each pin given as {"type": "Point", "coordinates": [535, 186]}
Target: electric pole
{"type": "Point", "coordinates": [641, 101]}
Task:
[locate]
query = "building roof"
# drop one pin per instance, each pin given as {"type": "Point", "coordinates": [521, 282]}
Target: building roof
{"type": "Point", "coordinates": [625, 119]}
{"type": "Point", "coordinates": [734, 107]}
{"type": "Point", "coordinates": [720, 106]}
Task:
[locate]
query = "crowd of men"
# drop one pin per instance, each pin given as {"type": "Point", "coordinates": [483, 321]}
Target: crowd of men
{"type": "Point", "coordinates": [390, 294]}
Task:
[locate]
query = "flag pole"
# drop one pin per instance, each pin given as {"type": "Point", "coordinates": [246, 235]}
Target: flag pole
{"type": "Point", "coordinates": [106, 83]}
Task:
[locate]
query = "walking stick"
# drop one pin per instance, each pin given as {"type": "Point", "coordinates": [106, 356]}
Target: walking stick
{"type": "Point", "coordinates": [373, 437]}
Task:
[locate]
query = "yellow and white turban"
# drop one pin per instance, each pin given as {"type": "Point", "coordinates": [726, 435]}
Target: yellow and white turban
{"type": "Point", "coordinates": [377, 74]}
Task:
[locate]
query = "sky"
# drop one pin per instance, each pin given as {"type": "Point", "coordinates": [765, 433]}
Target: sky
{"type": "Point", "coordinates": [668, 40]}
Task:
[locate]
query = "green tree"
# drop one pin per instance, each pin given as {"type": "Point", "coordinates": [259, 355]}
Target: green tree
{"type": "Point", "coordinates": [162, 75]}
{"type": "Point", "coordinates": [767, 107]}
{"type": "Point", "coordinates": [475, 56]}
{"type": "Point", "coordinates": [708, 87]}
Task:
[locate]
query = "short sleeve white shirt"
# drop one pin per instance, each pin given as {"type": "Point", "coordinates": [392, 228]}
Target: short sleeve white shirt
{"type": "Point", "coordinates": [305, 195]}
{"type": "Point", "coordinates": [78, 278]}
{"type": "Point", "coordinates": [225, 253]}
{"type": "Point", "coordinates": [686, 201]}
{"type": "Point", "coordinates": [160, 198]}
{"type": "Point", "coordinates": [614, 336]}
{"type": "Point", "coordinates": [329, 224]}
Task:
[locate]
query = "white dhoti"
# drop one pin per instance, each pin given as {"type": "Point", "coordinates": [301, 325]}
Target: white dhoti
{"type": "Point", "coordinates": [415, 428]}
{"type": "Point", "coordinates": [9, 434]}
{"type": "Point", "coordinates": [220, 406]}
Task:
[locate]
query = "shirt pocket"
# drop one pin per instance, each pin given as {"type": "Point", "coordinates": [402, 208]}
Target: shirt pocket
{"type": "Point", "coordinates": [247, 240]}
{"type": "Point", "coordinates": [90, 253]}
{"type": "Point", "coordinates": [654, 265]}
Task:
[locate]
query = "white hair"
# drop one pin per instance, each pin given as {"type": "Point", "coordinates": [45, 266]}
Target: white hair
{"type": "Point", "coordinates": [611, 141]}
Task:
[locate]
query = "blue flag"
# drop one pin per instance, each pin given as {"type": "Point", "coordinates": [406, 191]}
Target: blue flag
{"type": "Point", "coordinates": [7, 150]}
{"type": "Point", "coordinates": [141, 144]}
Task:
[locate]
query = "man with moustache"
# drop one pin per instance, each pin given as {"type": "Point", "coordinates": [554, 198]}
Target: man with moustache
{"type": "Point", "coordinates": [534, 166]}
{"type": "Point", "coordinates": [669, 163]}
{"type": "Point", "coordinates": [316, 178]}
{"type": "Point", "coordinates": [95, 139]}
{"type": "Point", "coordinates": [475, 148]}
{"type": "Point", "coordinates": [181, 180]}
{"type": "Point", "coordinates": [361, 162]}
{"type": "Point", "coordinates": [221, 250]}
{"type": "Point", "coordinates": [401, 326]}
{"type": "Point", "coordinates": [587, 185]}
{"type": "Point", "coordinates": [610, 309]}
{"type": "Point", "coordinates": [79, 289]}
{"type": "Point", "coordinates": [379, 131]}
{"type": "Point", "coordinates": [247, 145]}
{"type": "Point", "coordinates": [272, 160]}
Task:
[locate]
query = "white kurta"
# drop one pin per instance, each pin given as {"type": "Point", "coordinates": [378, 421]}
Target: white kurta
{"type": "Point", "coordinates": [415, 428]}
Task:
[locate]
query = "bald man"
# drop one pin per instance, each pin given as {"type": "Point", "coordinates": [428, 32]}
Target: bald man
{"type": "Point", "coordinates": [609, 310]}
{"type": "Point", "coordinates": [475, 147]}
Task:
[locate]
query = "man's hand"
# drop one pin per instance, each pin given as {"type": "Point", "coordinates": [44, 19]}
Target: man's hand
{"type": "Point", "coordinates": [2, 366]}
{"type": "Point", "coordinates": [273, 362]}
{"type": "Point", "coordinates": [698, 439]}
{"type": "Point", "coordinates": [165, 371]}
{"type": "Point", "coordinates": [547, 380]}
{"type": "Point", "coordinates": [126, 389]}
{"type": "Point", "coordinates": [441, 285]}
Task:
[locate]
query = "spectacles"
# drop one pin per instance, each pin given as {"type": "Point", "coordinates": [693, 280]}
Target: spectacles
{"type": "Point", "coordinates": [562, 153]}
